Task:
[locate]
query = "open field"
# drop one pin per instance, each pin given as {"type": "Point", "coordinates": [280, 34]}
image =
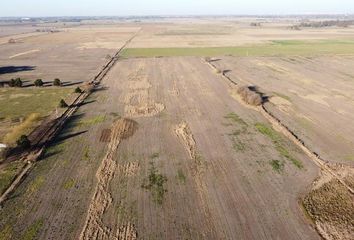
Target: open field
{"type": "Point", "coordinates": [303, 92]}
{"type": "Point", "coordinates": [274, 48]}
{"type": "Point", "coordinates": [166, 147]}
{"type": "Point", "coordinates": [18, 104]}
{"type": "Point", "coordinates": [217, 158]}
{"type": "Point", "coordinates": [73, 54]}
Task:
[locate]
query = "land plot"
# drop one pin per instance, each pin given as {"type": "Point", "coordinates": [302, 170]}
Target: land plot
{"type": "Point", "coordinates": [313, 96]}
{"type": "Point", "coordinates": [73, 55]}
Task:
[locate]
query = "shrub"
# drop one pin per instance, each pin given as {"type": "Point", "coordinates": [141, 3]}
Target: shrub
{"type": "Point", "coordinates": [63, 104]}
{"type": "Point", "coordinates": [15, 82]}
{"type": "Point", "coordinates": [23, 142]}
{"type": "Point", "coordinates": [57, 82]}
{"type": "Point", "coordinates": [78, 90]}
{"type": "Point", "coordinates": [38, 83]}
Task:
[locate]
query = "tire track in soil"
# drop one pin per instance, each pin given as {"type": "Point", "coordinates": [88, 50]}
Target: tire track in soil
{"type": "Point", "coordinates": [94, 227]}
{"type": "Point", "coordinates": [185, 135]}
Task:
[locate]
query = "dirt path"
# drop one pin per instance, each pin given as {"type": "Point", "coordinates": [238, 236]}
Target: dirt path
{"type": "Point", "coordinates": [94, 227]}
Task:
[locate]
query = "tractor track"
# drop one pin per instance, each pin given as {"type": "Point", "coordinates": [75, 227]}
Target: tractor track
{"type": "Point", "coordinates": [43, 134]}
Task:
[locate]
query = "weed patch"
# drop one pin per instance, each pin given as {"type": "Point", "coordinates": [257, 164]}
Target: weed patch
{"type": "Point", "coordinates": [69, 184]}
{"type": "Point", "coordinates": [32, 232]}
{"type": "Point", "coordinates": [278, 142]}
{"type": "Point", "coordinates": [277, 165]}
{"type": "Point", "coordinates": [6, 233]}
{"type": "Point", "coordinates": [35, 185]}
{"type": "Point", "coordinates": [155, 184]}
{"type": "Point", "coordinates": [240, 128]}
{"type": "Point", "coordinates": [180, 176]}
{"type": "Point", "coordinates": [92, 121]}
{"type": "Point", "coordinates": [8, 174]}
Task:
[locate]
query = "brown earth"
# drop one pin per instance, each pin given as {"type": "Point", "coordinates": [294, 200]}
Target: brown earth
{"type": "Point", "coordinates": [220, 183]}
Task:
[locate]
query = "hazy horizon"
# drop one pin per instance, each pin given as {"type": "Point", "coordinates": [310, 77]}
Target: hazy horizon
{"type": "Point", "coordinates": [81, 8]}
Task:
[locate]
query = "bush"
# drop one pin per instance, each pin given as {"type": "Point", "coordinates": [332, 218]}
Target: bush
{"type": "Point", "coordinates": [23, 142]}
{"type": "Point", "coordinates": [63, 104]}
{"type": "Point", "coordinates": [57, 82]}
{"type": "Point", "coordinates": [15, 82]}
{"type": "Point", "coordinates": [38, 83]}
{"type": "Point", "coordinates": [78, 90]}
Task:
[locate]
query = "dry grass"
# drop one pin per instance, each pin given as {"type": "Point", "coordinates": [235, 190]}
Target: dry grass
{"type": "Point", "coordinates": [249, 96]}
{"type": "Point", "coordinates": [22, 128]}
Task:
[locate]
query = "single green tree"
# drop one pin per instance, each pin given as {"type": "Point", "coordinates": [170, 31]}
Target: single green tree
{"type": "Point", "coordinates": [18, 82]}
{"type": "Point", "coordinates": [23, 142]}
{"type": "Point", "coordinates": [63, 104]}
{"type": "Point", "coordinates": [38, 83]}
{"type": "Point", "coordinates": [78, 90]}
{"type": "Point", "coordinates": [57, 82]}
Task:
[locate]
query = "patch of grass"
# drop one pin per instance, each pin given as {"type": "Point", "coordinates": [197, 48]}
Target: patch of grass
{"type": "Point", "coordinates": [277, 165]}
{"type": "Point", "coordinates": [33, 230]}
{"type": "Point", "coordinates": [6, 233]}
{"type": "Point", "coordinates": [274, 48]}
{"type": "Point", "coordinates": [35, 185]}
{"type": "Point", "coordinates": [69, 184]}
{"type": "Point", "coordinates": [22, 129]}
{"type": "Point", "coordinates": [155, 184]}
{"type": "Point", "coordinates": [86, 156]}
{"type": "Point", "coordinates": [20, 102]}
{"type": "Point", "coordinates": [349, 157]}
{"type": "Point", "coordinates": [8, 174]}
{"type": "Point", "coordinates": [236, 119]}
{"type": "Point", "coordinates": [241, 125]}
{"type": "Point", "coordinates": [92, 121]}
{"type": "Point", "coordinates": [278, 142]}
{"type": "Point", "coordinates": [180, 176]}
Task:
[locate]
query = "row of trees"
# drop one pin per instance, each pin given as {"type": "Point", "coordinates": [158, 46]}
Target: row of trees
{"type": "Point", "coordinates": [17, 82]}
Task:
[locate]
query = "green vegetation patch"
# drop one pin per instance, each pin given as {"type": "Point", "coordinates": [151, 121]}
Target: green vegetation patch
{"type": "Point", "coordinates": [92, 121]}
{"type": "Point", "coordinates": [20, 102]}
{"type": "Point", "coordinates": [274, 48]}
{"type": "Point", "coordinates": [277, 165]}
{"type": "Point", "coordinates": [180, 176]}
{"type": "Point", "coordinates": [6, 232]}
{"type": "Point", "coordinates": [8, 174]}
{"type": "Point", "coordinates": [33, 230]}
{"type": "Point", "coordinates": [278, 142]}
{"type": "Point", "coordinates": [155, 183]}
{"type": "Point", "coordinates": [69, 184]}
{"type": "Point", "coordinates": [240, 127]}
{"type": "Point", "coordinates": [35, 185]}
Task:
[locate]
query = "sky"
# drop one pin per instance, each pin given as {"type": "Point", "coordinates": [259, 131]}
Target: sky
{"type": "Point", "coordinates": [37, 8]}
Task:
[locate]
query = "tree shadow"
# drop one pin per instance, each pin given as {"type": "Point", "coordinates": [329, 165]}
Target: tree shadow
{"type": "Point", "coordinates": [62, 138]}
{"type": "Point", "coordinates": [100, 89]}
{"type": "Point", "coordinates": [84, 103]}
{"type": "Point", "coordinates": [68, 84]}
{"type": "Point", "coordinates": [265, 98]}
{"type": "Point", "coordinates": [14, 69]}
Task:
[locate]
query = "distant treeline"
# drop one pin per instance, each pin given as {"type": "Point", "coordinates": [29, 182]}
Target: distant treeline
{"type": "Point", "coordinates": [328, 23]}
